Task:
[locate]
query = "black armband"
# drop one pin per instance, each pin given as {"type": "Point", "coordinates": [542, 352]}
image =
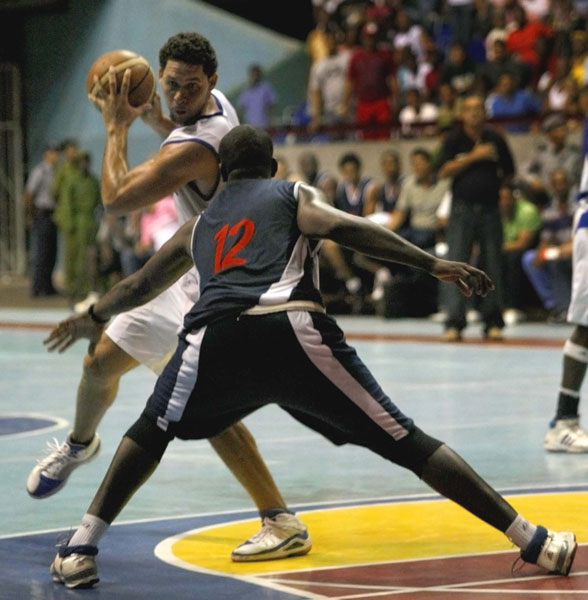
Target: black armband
{"type": "Point", "coordinates": [95, 318]}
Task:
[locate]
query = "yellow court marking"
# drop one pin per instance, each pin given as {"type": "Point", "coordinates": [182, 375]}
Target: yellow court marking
{"type": "Point", "coordinates": [381, 533]}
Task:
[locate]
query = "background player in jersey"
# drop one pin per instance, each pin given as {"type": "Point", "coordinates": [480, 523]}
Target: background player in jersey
{"type": "Point", "coordinates": [187, 167]}
{"type": "Point", "coordinates": [255, 249]}
{"type": "Point", "coordinates": [565, 433]}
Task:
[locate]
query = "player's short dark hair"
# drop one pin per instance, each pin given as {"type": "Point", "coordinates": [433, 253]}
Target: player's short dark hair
{"type": "Point", "coordinates": [247, 149]}
{"type": "Point", "coordinates": [192, 48]}
{"type": "Point", "coordinates": [350, 157]}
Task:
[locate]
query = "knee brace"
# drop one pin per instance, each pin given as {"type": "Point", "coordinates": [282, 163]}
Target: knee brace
{"type": "Point", "coordinates": [146, 434]}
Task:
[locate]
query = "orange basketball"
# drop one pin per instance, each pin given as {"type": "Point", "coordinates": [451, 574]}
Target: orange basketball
{"type": "Point", "coordinates": [142, 85]}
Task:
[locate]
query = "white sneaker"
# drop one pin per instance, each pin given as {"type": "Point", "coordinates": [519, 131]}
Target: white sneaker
{"type": "Point", "coordinates": [473, 316]}
{"type": "Point", "coordinates": [381, 279]}
{"type": "Point", "coordinates": [51, 473]}
{"type": "Point", "coordinates": [551, 550]}
{"type": "Point", "coordinates": [566, 436]}
{"type": "Point", "coordinates": [75, 570]}
{"type": "Point", "coordinates": [279, 537]}
{"type": "Point", "coordinates": [84, 305]}
{"type": "Point", "coordinates": [512, 316]}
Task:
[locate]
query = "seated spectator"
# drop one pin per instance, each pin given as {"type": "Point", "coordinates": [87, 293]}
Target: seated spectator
{"type": "Point", "coordinates": [383, 196]}
{"type": "Point", "coordinates": [415, 216]}
{"type": "Point", "coordinates": [417, 112]}
{"type": "Point", "coordinates": [498, 32]}
{"type": "Point", "coordinates": [351, 196]}
{"type": "Point", "coordinates": [326, 88]}
{"type": "Point", "coordinates": [520, 223]}
{"type": "Point", "coordinates": [257, 101]}
{"type": "Point", "coordinates": [502, 62]}
{"type": "Point", "coordinates": [459, 71]}
{"type": "Point", "coordinates": [284, 171]}
{"type": "Point", "coordinates": [556, 152]}
{"type": "Point", "coordinates": [449, 107]}
{"type": "Point", "coordinates": [409, 35]}
{"type": "Point", "coordinates": [549, 267]}
{"type": "Point", "coordinates": [410, 74]}
{"type": "Point", "coordinates": [308, 166]}
{"type": "Point", "coordinates": [558, 88]}
{"type": "Point", "coordinates": [579, 57]}
{"type": "Point", "coordinates": [509, 101]}
{"type": "Point", "coordinates": [353, 188]}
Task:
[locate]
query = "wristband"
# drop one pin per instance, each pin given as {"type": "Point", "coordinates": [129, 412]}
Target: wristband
{"type": "Point", "coordinates": [95, 318]}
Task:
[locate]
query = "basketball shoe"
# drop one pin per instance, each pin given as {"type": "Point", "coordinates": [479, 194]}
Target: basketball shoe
{"type": "Point", "coordinates": [75, 566]}
{"type": "Point", "coordinates": [279, 537]}
{"type": "Point", "coordinates": [551, 550]}
{"type": "Point", "coordinates": [566, 435]}
{"type": "Point", "coordinates": [51, 473]}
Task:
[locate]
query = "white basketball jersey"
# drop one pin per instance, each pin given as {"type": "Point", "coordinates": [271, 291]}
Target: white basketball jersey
{"type": "Point", "coordinates": [208, 130]}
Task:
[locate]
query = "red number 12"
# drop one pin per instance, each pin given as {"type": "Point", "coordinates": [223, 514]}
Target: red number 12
{"type": "Point", "coordinates": [230, 259]}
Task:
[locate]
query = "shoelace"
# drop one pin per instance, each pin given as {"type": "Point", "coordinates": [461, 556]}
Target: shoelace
{"type": "Point", "coordinates": [517, 566]}
{"type": "Point", "coordinates": [57, 455]}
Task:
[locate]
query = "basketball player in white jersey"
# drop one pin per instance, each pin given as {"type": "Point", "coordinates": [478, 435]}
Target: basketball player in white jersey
{"type": "Point", "coordinates": [187, 167]}
{"type": "Point", "coordinates": [565, 433]}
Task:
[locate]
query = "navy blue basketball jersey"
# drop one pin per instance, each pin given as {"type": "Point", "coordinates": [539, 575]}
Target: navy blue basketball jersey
{"type": "Point", "coordinates": [248, 251]}
{"type": "Point", "coordinates": [351, 200]}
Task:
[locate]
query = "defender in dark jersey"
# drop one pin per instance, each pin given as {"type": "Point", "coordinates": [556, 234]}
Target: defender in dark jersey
{"type": "Point", "coordinates": [255, 250]}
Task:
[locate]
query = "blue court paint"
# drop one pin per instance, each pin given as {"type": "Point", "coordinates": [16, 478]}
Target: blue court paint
{"type": "Point", "coordinates": [18, 424]}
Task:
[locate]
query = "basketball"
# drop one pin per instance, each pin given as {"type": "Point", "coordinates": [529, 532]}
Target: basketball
{"type": "Point", "coordinates": [142, 85]}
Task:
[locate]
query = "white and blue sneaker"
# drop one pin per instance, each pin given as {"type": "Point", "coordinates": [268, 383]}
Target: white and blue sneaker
{"type": "Point", "coordinates": [75, 567]}
{"type": "Point", "coordinates": [281, 536]}
{"type": "Point", "coordinates": [554, 551]}
{"type": "Point", "coordinates": [566, 435]}
{"type": "Point", "coordinates": [51, 473]}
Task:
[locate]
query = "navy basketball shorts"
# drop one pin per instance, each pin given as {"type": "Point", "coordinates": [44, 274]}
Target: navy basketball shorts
{"type": "Point", "coordinates": [299, 360]}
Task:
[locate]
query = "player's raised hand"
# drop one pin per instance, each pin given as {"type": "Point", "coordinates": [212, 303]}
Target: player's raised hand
{"type": "Point", "coordinates": [112, 102]}
{"type": "Point", "coordinates": [72, 329]}
{"type": "Point", "coordinates": [467, 278]}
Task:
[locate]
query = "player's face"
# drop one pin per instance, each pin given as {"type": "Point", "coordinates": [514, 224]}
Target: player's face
{"type": "Point", "coordinates": [186, 89]}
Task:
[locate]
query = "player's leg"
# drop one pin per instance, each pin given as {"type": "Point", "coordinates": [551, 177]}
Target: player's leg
{"type": "Point", "coordinates": [353, 408]}
{"type": "Point", "coordinates": [565, 433]}
{"type": "Point", "coordinates": [280, 527]}
{"type": "Point", "coordinates": [96, 392]}
{"type": "Point", "coordinates": [447, 473]}
{"type": "Point", "coordinates": [136, 458]}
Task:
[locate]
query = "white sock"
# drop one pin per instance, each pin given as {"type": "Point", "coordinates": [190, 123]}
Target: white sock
{"type": "Point", "coordinates": [90, 532]}
{"type": "Point", "coordinates": [520, 532]}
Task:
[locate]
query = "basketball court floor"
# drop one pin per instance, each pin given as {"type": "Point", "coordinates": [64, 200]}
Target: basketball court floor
{"type": "Point", "coordinates": [378, 531]}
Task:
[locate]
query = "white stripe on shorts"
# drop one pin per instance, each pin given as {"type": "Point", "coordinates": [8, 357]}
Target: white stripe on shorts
{"type": "Point", "coordinates": [322, 358]}
{"type": "Point", "coordinates": [186, 378]}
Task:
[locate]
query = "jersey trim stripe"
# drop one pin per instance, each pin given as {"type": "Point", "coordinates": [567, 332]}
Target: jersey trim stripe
{"type": "Point", "coordinates": [281, 290]}
{"type": "Point", "coordinates": [323, 359]}
{"type": "Point", "coordinates": [185, 379]}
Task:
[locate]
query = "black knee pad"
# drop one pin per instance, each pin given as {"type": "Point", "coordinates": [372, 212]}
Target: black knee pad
{"type": "Point", "coordinates": [416, 450]}
{"type": "Point", "coordinates": [146, 434]}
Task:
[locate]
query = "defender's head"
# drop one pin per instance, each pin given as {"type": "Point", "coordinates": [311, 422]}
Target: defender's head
{"type": "Point", "coordinates": [246, 152]}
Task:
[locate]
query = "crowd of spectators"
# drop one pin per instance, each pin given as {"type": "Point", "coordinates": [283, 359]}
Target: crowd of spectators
{"type": "Point", "coordinates": [63, 209]}
{"type": "Point", "coordinates": [384, 66]}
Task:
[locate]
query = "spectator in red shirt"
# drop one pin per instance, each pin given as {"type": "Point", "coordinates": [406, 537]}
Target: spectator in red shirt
{"type": "Point", "coordinates": [370, 80]}
{"type": "Point", "coordinates": [526, 42]}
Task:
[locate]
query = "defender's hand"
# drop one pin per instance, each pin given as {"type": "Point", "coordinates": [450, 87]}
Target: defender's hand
{"type": "Point", "coordinates": [467, 278]}
{"type": "Point", "coordinates": [72, 329]}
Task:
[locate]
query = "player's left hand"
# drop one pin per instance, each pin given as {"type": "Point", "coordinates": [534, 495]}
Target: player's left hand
{"type": "Point", "coordinates": [467, 278]}
{"type": "Point", "coordinates": [72, 329]}
{"type": "Point", "coordinates": [112, 103]}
